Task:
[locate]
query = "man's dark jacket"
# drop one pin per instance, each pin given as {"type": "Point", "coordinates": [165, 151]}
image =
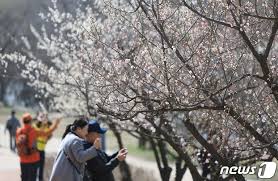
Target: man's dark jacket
{"type": "Point", "coordinates": [12, 125]}
{"type": "Point", "coordinates": [100, 167]}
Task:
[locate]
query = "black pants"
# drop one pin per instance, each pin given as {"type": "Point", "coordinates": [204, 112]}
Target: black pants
{"type": "Point", "coordinates": [206, 170]}
{"type": "Point", "coordinates": [12, 141]}
{"type": "Point", "coordinates": [41, 165]}
{"type": "Point", "coordinates": [29, 171]}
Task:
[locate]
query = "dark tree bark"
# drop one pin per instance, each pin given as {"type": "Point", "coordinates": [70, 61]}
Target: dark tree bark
{"type": "Point", "coordinates": [124, 167]}
{"type": "Point", "coordinates": [190, 126]}
{"type": "Point", "coordinates": [180, 169]}
{"type": "Point", "coordinates": [161, 159]}
{"type": "Point", "coordinates": [142, 142]}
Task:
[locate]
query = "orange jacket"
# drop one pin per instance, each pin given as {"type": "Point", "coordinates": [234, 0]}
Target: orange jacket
{"type": "Point", "coordinates": [32, 137]}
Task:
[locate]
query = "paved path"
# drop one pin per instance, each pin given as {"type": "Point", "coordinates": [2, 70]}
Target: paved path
{"type": "Point", "coordinates": [9, 163]}
{"type": "Point", "coordinates": [10, 169]}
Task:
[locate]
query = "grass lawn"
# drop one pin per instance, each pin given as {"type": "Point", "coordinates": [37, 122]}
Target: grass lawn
{"type": "Point", "coordinates": [129, 142]}
{"type": "Point", "coordinates": [5, 113]}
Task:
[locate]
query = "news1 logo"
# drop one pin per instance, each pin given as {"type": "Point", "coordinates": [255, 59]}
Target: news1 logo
{"type": "Point", "coordinates": [265, 170]}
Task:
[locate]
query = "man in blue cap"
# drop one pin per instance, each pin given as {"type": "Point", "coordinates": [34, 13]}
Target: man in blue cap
{"type": "Point", "coordinates": [100, 167]}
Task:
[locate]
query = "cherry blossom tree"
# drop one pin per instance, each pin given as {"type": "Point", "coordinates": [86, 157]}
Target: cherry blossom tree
{"type": "Point", "coordinates": [194, 74]}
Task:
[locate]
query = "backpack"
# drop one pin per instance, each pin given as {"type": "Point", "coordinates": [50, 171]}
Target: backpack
{"type": "Point", "coordinates": [9, 125]}
{"type": "Point", "coordinates": [22, 144]}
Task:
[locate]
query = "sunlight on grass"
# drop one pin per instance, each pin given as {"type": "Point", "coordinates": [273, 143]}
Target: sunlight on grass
{"type": "Point", "coordinates": [129, 142]}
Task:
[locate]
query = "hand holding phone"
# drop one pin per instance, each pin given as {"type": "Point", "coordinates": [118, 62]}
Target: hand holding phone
{"type": "Point", "coordinates": [122, 154]}
{"type": "Point", "coordinates": [97, 143]}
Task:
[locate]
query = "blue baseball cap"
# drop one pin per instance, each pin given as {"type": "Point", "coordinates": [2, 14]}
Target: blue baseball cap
{"type": "Point", "coordinates": [95, 127]}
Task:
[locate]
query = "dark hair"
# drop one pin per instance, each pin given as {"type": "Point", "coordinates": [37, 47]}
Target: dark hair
{"type": "Point", "coordinates": [78, 123]}
{"type": "Point", "coordinates": [13, 112]}
{"type": "Point", "coordinates": [49, 123]}
{"type": "Point", "coordinates": [38, 124]}
{"type": "Point", "coordinates": [26, 121]}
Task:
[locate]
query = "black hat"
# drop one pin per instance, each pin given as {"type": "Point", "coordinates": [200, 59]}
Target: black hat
{"type": "Point", "coordinates": [95, 127]}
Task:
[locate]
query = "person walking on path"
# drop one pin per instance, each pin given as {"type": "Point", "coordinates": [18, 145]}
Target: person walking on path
{"type": "Point", "coordinates": [26, 138]}
{"type": "Point", "coordinates": [100, 167]}
{"type": "Point", "coordinates": [71, 159]}
{"type": "Point", "coordinates": [12, 125]}
{"type": "Point", "coordinates": [43, 125]}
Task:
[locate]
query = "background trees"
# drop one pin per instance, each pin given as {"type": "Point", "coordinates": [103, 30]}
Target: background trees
{"type": "Point", "coordinates": [192, 74]}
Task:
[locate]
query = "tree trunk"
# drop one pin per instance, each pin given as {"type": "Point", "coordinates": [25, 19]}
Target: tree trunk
{"type": "Point", "coordinates": [124, 167]}
{"type": "Point", "coordinates": [142, 142]}
{"type": "Point", "coordinates": [161, 159]}
{"type": "Point", "coordinates": [166, 170]}
{"type": "Point", "coordinates": [2, 89]}
{"type": "Point", "coordinates": [190, 126]}
{"type": "Point", "coordinates": [181, 152]}
{"type": "Point", "coordinates": [180, 171]}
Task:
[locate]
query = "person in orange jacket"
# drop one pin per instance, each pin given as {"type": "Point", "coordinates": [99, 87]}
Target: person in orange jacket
{"type": "Point", "coordinates": [29, 160]}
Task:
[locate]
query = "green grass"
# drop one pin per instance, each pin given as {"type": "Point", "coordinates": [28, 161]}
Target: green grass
{"type": "Point", "coordinates": [131, 144]}
{"type": "Point", "coordinates": [5, 113]}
